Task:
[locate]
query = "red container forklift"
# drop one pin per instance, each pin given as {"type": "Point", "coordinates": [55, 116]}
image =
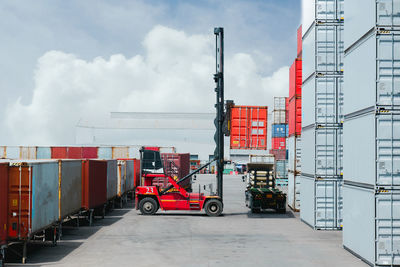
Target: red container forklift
{"type": "Point", "coordinates": [149, 197]}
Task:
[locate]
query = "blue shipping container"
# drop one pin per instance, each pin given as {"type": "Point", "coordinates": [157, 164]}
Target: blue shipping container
{"type": "Point", "coordinates": [104, 153]}
{"type": "Point", "coordinates": [279, 130]}
{"type": "Point", "coordinates": [287, 130]}
{"type": "Point", "coordinates": [43, 152]}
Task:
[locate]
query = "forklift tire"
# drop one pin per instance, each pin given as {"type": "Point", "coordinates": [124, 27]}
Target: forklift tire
{"type": "Point", "coordinates": [148, 206]}
{"type": "Point", "coordinates": [213, 207]}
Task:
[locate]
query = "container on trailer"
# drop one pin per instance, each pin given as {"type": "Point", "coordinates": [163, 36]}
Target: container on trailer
{"type": "Point", "coordinates": [281, 169]}
{"type": "Point", "coordinates": [323, 50]}
{"type": "Point", "coordinates": [59, 152]}
{"type": "Point", "coordinates": [322, 151]}
{"type": "Point", "coordinates": [137, 172]}
{"type": "Point", "coordinates": [321, 203]}
{"type": "Point", "coordinates": [105, 153]}
{"type": "Point", "coordinates": [249, 127]}
{"type": "Point", "coordinates": [295, 79]}
{"type": "Point", "coordinates": [279, 130]}
{"type": "Point", "coordinates": [12, 152]}
{"type": "Point", "coordinates": [279, 116]}
{"type": "Point", "coordinates": [299, 42]}
{"type": "Point", "coordinates": [130, 175]}
{"type": "Point", "coordinates": [43, 152]}
{"type": "Point", "coordinates": [74, 152]}
{"type": "Point", "coordinates": [322, 100]}
{"type": "Point", "coordinates": [279, 143]}
{"type": "Point", "coordinates": [3, 202]}
{"type": "Point", "coordinates": [372, 64]}
{"type": "Point", "coordinates": [293, 191]}
{"type": "Point", "coordinates": [372, 233]}
{"type": "Point", "coordinates": [120, 152]}
{"type": "Point", "coordinates": [279, 154]}
{"type": "Point", "coordinates": [70, 189]}
{"type": "Point", "coordinates": [89, 152]}
{"type": "Point", "coordinates": [33, 198]}
{"type": "Point", "coordinates": [373, 156]}
{"type": "Point", "coordinates": [27, 152]}
{"type": "Point", "coordinates": [112, 179]}
{"type": "Point", "coordinates": [295, 116]}
{"type": "Point", "coordinates": [94, 183]}
{"type": "Point", "coordinates": [121, 175]}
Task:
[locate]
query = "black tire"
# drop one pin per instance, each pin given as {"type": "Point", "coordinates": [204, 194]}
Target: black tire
{"type": "Point", "coordinates": [148, 206]}
{"type": "Point", "coordinates": [213, 207]}
{"type": "Point", "coordinates": [255, 210]}
{"type": "Point", "coordinates": [281, 210]}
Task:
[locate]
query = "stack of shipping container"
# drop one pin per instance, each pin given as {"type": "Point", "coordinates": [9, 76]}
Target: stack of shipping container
{"type": "Point", "coordinates": [371, 191]}
{"type": "Point", "coordinates": [322, 102]}
{"type": "Point", "coordinates": [278, 139]}
{"type": "Point", "coordinates": [294, 135]}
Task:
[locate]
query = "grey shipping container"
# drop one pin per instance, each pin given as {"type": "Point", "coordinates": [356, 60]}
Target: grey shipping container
{"type": "Point", "coordinates": [321, 10]}
{"type": "Point", "coordinates": [129, 175]}
{"type": "Point", "coordinates": [43, 152]}
{"type": "Point", "coordinates": [112, 179]}
{"type": "Point", "coordinates": [294, 148]}
{"type": "Point", "coordinates": [374, 13]}
{"type": "Point", "coordinates": [373, 65]}
{"type": "Point", "coordinates": [281, 169]}
{"type": "Point", "coordinates": [321, 151]}
{"type": "Point", "coordinates": [372, 224]}
{"type": "Point", "coordinates": [323, 50]}
{"type": "Point", "coordinates": [70, 190]}
{"type": "Point", "coordinates": [293, 194]}
{"type": "Point", "coordinates": [12, 152]}
{"type": "Point", "coordinates": [321, 203]}
{"type": "Point", "coordinates": [104, 153]}
{"type": "Point", "coordinates": [322, 100]}
{"type": "Point", "coordinates": [372, 147]}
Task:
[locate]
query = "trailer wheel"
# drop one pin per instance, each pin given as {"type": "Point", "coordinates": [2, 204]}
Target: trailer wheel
{"type": "Point", "coordinates": [213, 207]}
{"type": "Point", "coordinates": [148, 206]}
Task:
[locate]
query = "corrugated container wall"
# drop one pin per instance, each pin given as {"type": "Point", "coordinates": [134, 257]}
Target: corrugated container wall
{"type": "Point", "coordinates": [105, 153]}
{"type": "Point", "coordinates": [120, 152]}
{"type": "Point", "coordinates": [294, 113]}
{"type": "Point", "coordinates": [59, 153]}
{"type": "Point", "coordinates": [2, 152]}
{"type": "Point", "coordinates": [279, 130]}
{"type": "Point", "coordinates": [299, 42]}
{"type": "Point", "coordinates": [249, 127]}
{"type": "Point", "coordinates": [12, 152]}
{"type": "Point", "coordinates": [3, 202]}
{"type": "Point", "coordinates": [295, 79]}
{"type": "Point", "coordinates": [112, 179]}
{"type": "Point", "coordinates": [121, 175]}
{"type": "Point", "coordinates": [43, 152]}
{"type": "Point", "coordinates": [70, 191]}
{"type": "Point", "coordinates": [130, 175]}
{"type": "Point", "coordinates": [89, 153]}
{"type": "Point", "coordinates": [278, 143]}
{"type": "Point", "coordinates": [279, 154]}
{"type": "Point", "coordinates": [94, 183]}
{"type": "Point", "coordinates": [27, 152]}
{"type": "Point", "coordinates": [74, 152]}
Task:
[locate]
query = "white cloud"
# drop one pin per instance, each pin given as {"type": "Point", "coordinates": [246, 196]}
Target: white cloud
{"type": "Point", "coordinates": [173, 74]}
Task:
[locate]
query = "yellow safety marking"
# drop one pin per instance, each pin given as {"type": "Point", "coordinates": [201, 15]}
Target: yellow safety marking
{"type": "Point", "coordinates": [168, 200]}
{"type": "Point", "coordinates": [15, 202]}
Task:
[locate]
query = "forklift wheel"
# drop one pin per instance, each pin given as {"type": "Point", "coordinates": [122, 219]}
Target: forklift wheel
{"type": "Point", "coordinates": [213, 207]}
{"type": "Point", "coordinates": [148, 206]}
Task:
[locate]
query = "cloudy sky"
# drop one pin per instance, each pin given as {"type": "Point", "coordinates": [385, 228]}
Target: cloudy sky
{"type": "Point", "coordinates": [64, 60]}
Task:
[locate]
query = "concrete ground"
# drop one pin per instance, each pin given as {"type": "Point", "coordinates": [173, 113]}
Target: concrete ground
{"type": "Point", "coordinates": [238, 238]}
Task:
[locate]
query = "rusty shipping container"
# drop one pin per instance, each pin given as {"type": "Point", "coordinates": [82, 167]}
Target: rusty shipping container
{"type": "Point", "coordinates": [112, 179]}
{"type": "Point", "coordinates": [94, 183]}
{"type": "Point", "coordinates": [249, 127]}
{"type": "Point", "coordinates": [121, 176]}
{"type": "Point", "coordinates": [70, 187]}
{"type": "Point", "coordinates": [3, 202]}
{"type": "Point", "coordinates": [33, 198]}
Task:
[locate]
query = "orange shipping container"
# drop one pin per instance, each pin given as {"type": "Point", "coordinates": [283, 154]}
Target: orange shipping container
{"type": "Point", "coordinates": [249, 127]}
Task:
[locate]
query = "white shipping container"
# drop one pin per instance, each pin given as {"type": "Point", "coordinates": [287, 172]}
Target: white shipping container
{"type": "Point", "coordinates": [279, 116]}
{"type": "Point", "coordinates": [279, 103]}
{"type": "Point", "coordinates": [293, 146]}
{"type": "Point", "coordinates": [27, 152]}
{"type": "Point", "coordinates": [293, 195]}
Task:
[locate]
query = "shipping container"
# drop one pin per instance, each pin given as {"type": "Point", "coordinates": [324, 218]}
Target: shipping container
{"type": "Point", "coordinates": [249, 127]}
{"type": "Point", "coordinates": [322, 100]}
{"type": "Point", "coordinates": [279, 103]}
{"type": "Point", "coordinates": [281, 169]}
{"type": "Point", "coordinates": [372, 224]}
{"type": "Point", "coordinates": [323, 50]}
{"type": "Point", "coordinates": [137, 172]}
{"type": "Point", "coordinates": [279, 116]}
{"type": "Point", "coordinates": [94, 183]}
{"type": "Point", "coordinates": [105, 153]}
{"type": "Point", "coordinates": [43, 152]}
{"type": "Point", "coordinates": [329, 11]}
{"type": "Point", "coordinates": [372, 147]}
{"type": "Point", "coordinates": [322, 152]}
{"type": "Point", "coordinates": [134, 152]}
{"type": "Point", "coordinates": [27, 152]}
{"type": "Point", "coordinates": [294, 113]}
{"type": "Point", "coordinates": [279, 143]}
{"type": "Point", "coordinates": [74, 152]}
{"type": "Point", "coordinates": [120, 152]}
{"type": "Point", "coordinates": [293, 195]}
{"type": "Point", "coordinates": [59, 153]}
{"type": "Point", "coordinates": [2, 152]}
{"type": "Point", "coordinates": [13, 152]}
{"type": "Point", "coordinates": [321, 203]}
{"type": "Point", "coordinates": [70, 187]}
{"type": "Point", "coordinates": [295, 79]}
{"type": "Point", "coordinates": [374, 13]}
{"type": "Point", "coordinates": [33, 198]}
{"type": "Point", "coordinates": [373, 65]}
{"type": "Point", "coordinates": [112, 179]}
{"type": "Point", "coordinates": [89, 153]}
{"type": "Point", "coordinates": [121, 175]}
{"type": "Point", "coordinates": [299, 42]}
{"type": "Point", "coordinates": [130, 175]}
{"type": "Point", "coordinates": [3, 202]}
{"type": "Point", "coordinates": [176, 164]}
{"type": "Point", "coordinates": [278, 153]}
{"type": "Point", "coordinates": [294, 148]}
{"type": "Point", "coordinates": [279, 130]}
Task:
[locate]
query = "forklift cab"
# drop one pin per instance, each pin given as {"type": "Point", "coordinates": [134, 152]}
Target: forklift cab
{"type": "Point", "coordinates": [150, 163]}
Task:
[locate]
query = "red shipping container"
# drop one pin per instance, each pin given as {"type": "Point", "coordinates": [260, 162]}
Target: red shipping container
{"type": "Point", "coordinates": [74, 152]}
{"type": "Point", "coordinates": [295, 116]}
{"type": "Point", "coordinates": [136, 176]}
{"type": "Point", "coordinates": [94, 183]}
{"type": "Point", "coordinates": [154, 148]}
{"type": "Point", "coordinates": [89, 152]}
{"type": "Point", "coordinates": [295, 78]}
{"type": "Point", "coordinates": [287, 108]}
{"type": "Point", "coordinates": [177, 164]}
{"type": "Point", "coordinates": [249, 127]}
{"type": "Point", "coordinates": [59, 153]}
{"type": "Point", "coordinates": [278, 153]}
{"type": "Point", "coordinates": [3, 202]}
{"type": "Point", "coordinates": [299, 42]}
{"type": "Point", "coordinates": [278, 143]}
